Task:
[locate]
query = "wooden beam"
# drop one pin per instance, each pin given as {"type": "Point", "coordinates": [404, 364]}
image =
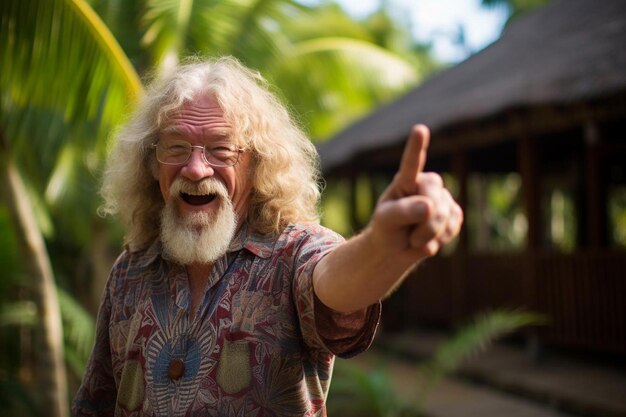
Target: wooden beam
{"type": "Point", "coordinates": [596, 219]}
{"type": "Point", "coordinates": [527, 166]}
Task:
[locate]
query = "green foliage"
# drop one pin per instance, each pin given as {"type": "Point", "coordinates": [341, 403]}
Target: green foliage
{"type": "Point", "coordinates": [356, 392]}
{"type": "Point", "coordinates": [64, 83]}
{"type": "Point", "coordinates": [473, 338]}
{"type": "Point", "coordinates": [73, 57]}
{"type": "Point", "coordinates": [495, 217]}
{"type": "Point", "coordinates": [78, 326]}
{"type": "Point", "coordinates": [617, 215]}
{"type": "Point", "coordinates": [9, 251]}
{"type": "Point", "coordinates": [337, 197]}
{"type": "Point", "coordinates": [560, 218]}
{"type": "Point", "coordinates": [335, 208]}
{"type": "Point", "coordinates": [15, 400]}
{"type": "Point", "coordinates": [515, 8]}
{"type": "Point", "coordinates": [78, 332]}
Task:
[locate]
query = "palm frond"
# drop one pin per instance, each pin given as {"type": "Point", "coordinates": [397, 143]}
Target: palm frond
{"type": "Point", "coordinates": [258, 38]}
{"type": "Point", "coordinates": [64, 82]}
{"type": "Point", "coordinates": [78, 331]}
{"type": "Point", "coordinates": [472, 339]}
{"type": "Point", "coordinates": [59, 55]}
{"type": "Point", "coordinates": [325, 20]}
{"type": "Point", "coordinates": [247, 29]}
{"type": "Point", "coordinates": [365, 393]}
{"type": "Point", "coordinates": [78, 326]}
{"type": "Point", "coordinates": [167, 24]}
{"type": "Point", "coordinates": [331, 81]}
{"type": "Point", "coordinates": [380, 66]}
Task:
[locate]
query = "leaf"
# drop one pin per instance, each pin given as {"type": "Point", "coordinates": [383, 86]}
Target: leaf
{"type": "Point", "coordinates": [78, 332]}
{"type": "Point", "coordinates": [472, 339]}
{"type": "Point", "coordinates": [50, 52]}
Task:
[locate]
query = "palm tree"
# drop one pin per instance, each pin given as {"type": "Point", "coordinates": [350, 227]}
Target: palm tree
{"type": "Point", "coordinates": [59, 66]}
{"type": "Point", "coordinates": [328, 66]}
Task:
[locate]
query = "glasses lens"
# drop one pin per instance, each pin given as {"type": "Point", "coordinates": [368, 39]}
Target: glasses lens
{"type": "Point", "coordinates": [177, 152]}
{"type": "Point", "coordinates": [173, 151]}
{"type": "Point", "coordinates": [222, 154]}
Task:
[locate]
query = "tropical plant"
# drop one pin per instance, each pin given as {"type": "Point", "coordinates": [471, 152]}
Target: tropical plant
{"type": "Point", "coordinates": [329, 67]}
{"type": "Point", "coordinates": [357, 392]}
{"type": "Point", "coordinates": [63, 82]}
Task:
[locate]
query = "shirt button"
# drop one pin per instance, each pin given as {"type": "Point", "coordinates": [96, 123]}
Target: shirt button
{"type": "Point", "coordinates": [176, 369]}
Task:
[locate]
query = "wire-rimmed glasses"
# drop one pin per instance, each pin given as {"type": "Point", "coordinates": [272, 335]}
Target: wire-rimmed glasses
{"type": "Point", "coordinates": [178, 152]}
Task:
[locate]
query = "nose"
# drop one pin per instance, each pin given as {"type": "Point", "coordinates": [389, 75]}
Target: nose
{"type": "Point", "coordinates": [197, 168]}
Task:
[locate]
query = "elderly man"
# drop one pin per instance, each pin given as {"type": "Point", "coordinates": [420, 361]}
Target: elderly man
{"type": "Point", "coordinates": [230, 299]}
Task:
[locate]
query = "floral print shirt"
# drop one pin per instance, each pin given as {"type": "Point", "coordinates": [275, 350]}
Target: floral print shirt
{"type": "Point", "coordinates": [260, 343]}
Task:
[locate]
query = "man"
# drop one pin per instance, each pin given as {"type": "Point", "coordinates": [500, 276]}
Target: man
{"type": "Point", "coordinates": [230, 299]}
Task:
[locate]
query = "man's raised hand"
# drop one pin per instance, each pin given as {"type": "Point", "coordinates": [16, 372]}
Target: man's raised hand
{"type": "Point", "coordinates": [416, 214]}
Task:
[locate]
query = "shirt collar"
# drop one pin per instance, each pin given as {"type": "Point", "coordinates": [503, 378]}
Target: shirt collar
{"type": "Point", "coordinates": [256, 243]}
{"type": "Point", "coordinates": [148, 256]}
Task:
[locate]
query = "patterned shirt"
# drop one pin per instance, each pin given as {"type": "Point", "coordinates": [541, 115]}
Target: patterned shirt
{"type": "Point", "coordinates": [260, 343]}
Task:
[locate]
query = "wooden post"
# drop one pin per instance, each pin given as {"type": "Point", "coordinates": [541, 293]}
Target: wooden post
{"type": "Point", "coordinates": [596, 216]}
{"type": "Point", "coordinates": [531, 191]}
{"type": "Point", "coordinates": [460, 273]}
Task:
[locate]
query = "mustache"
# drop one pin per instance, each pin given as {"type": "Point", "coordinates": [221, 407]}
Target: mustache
{"type": "Point", "coordinates": [206, 186]}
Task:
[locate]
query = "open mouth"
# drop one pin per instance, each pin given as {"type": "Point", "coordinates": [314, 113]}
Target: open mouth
{"type": "Point", "coordinates": [197, 200]}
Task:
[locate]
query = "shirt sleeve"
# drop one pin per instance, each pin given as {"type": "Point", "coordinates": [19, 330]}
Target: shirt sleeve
{"type": "Point", "coordinates": [97, 393]}
{"type": "Point", "coordinates": [346, 334]}
{"type": "Point", "coordinates": [342, 334]}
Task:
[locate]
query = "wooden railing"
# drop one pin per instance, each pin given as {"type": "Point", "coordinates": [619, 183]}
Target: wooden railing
{"type": "Point", "coordinates": [583, 294]}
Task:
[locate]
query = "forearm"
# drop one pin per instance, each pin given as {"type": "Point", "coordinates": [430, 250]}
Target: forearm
{"type": "Point", "coordinates": [358, 273]}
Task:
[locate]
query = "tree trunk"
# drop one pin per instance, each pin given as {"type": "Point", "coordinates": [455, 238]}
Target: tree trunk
{"type": "Point", "coordinates": [50, 369]}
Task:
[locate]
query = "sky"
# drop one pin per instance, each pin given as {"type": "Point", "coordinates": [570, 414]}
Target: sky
{"type": "Point", "coordinates": [439, 21]}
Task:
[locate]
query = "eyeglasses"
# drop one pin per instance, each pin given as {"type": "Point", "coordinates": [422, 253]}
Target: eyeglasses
{"type": "Point", "coordinates": [178, 152]}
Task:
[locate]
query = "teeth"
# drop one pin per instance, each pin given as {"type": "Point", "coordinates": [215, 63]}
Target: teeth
{"type": "Point", "coordinates": [198, 193]}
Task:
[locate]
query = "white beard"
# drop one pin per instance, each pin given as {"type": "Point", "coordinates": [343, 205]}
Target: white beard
{"type": "Point", "coordinates": [197, 237]}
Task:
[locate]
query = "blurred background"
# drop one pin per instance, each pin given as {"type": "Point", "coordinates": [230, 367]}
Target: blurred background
{"type": "Point", "coordinates": [525, 99]}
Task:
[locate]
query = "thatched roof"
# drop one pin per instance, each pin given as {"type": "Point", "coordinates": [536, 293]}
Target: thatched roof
{"type": "Point", "coordinates": [567, 51]}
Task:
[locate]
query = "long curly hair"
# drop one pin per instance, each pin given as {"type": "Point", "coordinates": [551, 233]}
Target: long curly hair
{"type": "Point", "coordinates": [285, 177]}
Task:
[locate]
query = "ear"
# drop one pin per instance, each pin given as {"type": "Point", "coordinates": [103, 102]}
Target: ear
{"type": "Point", "coordinates": [151, 164]}
{"type": "Point", "coordinates": [153, 167]}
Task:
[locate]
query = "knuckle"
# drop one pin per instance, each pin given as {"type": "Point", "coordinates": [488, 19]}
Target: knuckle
{"type": "Point", "coordinates": [432, 178]}
{"type": "Point", "coordinates": [431, 248]}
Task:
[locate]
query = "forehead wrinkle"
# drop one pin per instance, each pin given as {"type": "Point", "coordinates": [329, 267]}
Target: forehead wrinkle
{"type": "Point", "coordinates": [201, 119]}
{"type": "Point", "coordinates": [219, 133]}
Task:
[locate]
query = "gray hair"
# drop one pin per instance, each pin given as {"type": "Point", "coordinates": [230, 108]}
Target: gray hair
{"type": "Point", "coordinates": [285, 177]}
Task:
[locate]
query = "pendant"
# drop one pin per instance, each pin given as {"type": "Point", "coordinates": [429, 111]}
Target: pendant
{"type": "Point", "coordinates": [176, 368]}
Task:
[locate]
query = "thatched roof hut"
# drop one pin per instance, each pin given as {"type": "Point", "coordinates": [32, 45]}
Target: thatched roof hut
{"type": "Point", "coordinates": [558, 67]}
{"type": "Point", "coordinates": [547, 101]}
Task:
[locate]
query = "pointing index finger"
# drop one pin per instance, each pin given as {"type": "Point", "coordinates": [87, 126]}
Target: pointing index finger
{"type": "Point", "coordinates": [414, 155]}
